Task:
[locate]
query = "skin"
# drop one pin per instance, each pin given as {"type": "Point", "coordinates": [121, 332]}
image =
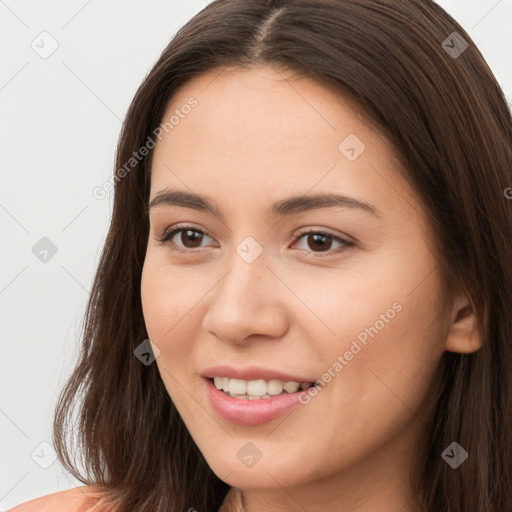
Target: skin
{"type": "Point", "coordinates": [256, 137]}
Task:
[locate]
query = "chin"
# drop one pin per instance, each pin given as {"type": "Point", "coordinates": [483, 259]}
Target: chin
{"type": "Point", "coordinates": [264, 474]}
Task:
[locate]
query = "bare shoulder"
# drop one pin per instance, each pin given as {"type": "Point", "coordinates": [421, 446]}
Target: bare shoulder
{"type": "Point", "coordinates": [77, 499]}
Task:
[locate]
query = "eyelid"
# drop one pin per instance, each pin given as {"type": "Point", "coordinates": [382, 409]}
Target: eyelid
{"type": "Point", "coordinates": [170, 232]}
{"type": "Point", "coordinates": [325, 231]}
{"type": "Point", "coordinates": [346, 242]}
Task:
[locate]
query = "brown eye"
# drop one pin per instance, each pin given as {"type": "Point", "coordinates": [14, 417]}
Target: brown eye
{"type": "Point", "coordinates": [190, 238]}
{"type": "Point", "coordinates": [317, 242]}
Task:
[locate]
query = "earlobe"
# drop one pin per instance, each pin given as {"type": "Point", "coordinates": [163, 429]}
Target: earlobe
{"type": "Point", "coordinates": [463, 336]}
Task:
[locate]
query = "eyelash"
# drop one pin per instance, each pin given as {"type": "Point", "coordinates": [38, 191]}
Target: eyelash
{"type": "Point", "coordinates": [168, 235]}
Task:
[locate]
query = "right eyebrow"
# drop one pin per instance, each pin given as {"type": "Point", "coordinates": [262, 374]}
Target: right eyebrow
{"type": "Point", "coordinates": [185, 200]}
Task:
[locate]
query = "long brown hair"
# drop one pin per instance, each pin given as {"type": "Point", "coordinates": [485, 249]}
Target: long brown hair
{"type": "Point", "coordinates": [439, 104]}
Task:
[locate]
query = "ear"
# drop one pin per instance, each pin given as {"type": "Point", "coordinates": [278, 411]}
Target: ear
{"type": "Point", "coordinates": [463, 336]}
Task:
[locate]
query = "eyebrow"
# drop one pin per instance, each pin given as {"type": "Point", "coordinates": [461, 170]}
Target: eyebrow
{"type": "Point", "coordinates": [286, 207]}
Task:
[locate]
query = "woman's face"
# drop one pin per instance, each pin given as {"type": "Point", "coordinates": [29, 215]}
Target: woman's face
{"type": "Point", "coordinates": [242, 286]}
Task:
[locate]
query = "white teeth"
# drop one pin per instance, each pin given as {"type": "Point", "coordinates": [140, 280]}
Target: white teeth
{"type": "Point", "coordinates": [291, 387]}
{"type": "Point", "coordinates": [275, 387]}
{"type": "Point", "coordinates": [237, 386]}
{"type": "Point", "coordinates": [254, 389]}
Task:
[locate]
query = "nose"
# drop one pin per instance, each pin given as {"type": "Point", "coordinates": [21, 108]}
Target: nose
{"type": "Point", "coordinates": [249, 300]}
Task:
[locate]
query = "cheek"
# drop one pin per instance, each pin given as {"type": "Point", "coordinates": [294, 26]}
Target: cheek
{"type": "Point", "coordinates": [166, 301]}
{"type": "Point", "coordinates": [393, 371]}
{"type": "Point", "coordinates": [170, 309]}
{"type": "Point", "coordinates": [161, 316]}
{"type": "Point", "coordinates": [387, 345]}
{"type": "Point", "coordinates": [407, 356]}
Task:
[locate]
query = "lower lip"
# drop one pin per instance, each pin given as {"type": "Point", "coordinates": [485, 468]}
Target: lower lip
{"type": "Point", "coordinates": [250, 412]}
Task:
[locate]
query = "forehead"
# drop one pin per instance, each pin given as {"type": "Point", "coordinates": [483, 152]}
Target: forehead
{"type": "Point", "coordinates": [247, 108]}
{"type": "Point", "coordinates": [256, 132]}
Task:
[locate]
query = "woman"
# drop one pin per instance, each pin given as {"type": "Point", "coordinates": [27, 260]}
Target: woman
{"type": "Point", "coordinates": [285, 372]}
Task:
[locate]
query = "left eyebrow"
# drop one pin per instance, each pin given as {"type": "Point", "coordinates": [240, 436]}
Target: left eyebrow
{"type": "Point", "coordinates": [286, 207]}
{"type": "Point", "coordinates": [303, 203]}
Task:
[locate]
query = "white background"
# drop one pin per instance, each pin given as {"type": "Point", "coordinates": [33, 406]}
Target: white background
{"type": "Point", "coordinates": [60, 120]}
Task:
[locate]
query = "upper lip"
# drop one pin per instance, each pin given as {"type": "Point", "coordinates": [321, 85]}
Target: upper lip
{"type": "Point", "coordinates": [252, 373]}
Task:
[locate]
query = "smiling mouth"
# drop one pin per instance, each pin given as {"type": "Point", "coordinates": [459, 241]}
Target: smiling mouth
{"type": "Point", "coordinates": [258, 389]}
